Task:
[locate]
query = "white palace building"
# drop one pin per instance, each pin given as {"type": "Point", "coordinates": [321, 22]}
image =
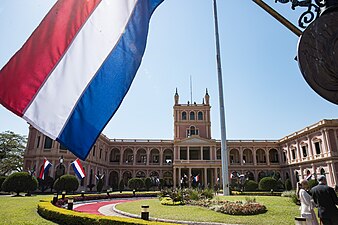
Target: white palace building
{"type": "Point", "coordinates": [312, 150]}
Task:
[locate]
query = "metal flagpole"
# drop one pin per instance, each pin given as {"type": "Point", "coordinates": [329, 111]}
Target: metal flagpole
{"type": "Point", "coordinates": [224, 152]}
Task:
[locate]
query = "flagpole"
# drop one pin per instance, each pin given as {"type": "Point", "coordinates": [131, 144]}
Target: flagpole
{"type": "Point", "coordinates": [224, 152]}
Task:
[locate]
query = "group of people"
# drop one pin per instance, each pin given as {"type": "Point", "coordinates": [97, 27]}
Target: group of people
{"type": "Point", "coordinates": [321, 196]}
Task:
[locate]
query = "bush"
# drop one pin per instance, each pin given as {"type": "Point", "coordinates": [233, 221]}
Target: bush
{"type": "Point", "coordinates": [267, 184]}
{"type": "Point", "coordinates": [194, 195]}
{"type": "Point", "coordinates": [148, 183]}
{"type": "Point", "coordinates": [99, 185]}
{"type": "Point", "coordinates": [46, 183]}
{"type": "Point", "coordinates": [250, 185]}
{"type": "Point", "coordinates": [288, 194]}
{"type": "Point", "coordinates": [20, 182]}
{"type": "Point", "coordinates": [66, 183]}
{"type": "Point", "coordinates": [121, 186]}
{"type": "Point", "coordinates": [257, 193]}
{"type": "Point", "coordinates": [312, 183]}
{"type": "Point", "coordinates": [288, 185]}
{"type": "Point", "coordinates": [2, 179]}
{"type": "Point", "coordinates": [208, 193]}
{"type": "Point", "coordinates": [280, 185]}
{"type": "Point", "coordinates": [169, 201]}
{"type": "Point", "coordinates": [136, 184]}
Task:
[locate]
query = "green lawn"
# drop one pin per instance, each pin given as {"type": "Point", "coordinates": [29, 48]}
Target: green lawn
{"type": "Point", "coordinates": [21, 210]}
{"type": "Point", "coordinates": [281, 211]}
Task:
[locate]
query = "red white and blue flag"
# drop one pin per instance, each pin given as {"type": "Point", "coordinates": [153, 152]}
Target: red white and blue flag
{"type": "Point", "coordinates": [73, 72]}
{"type": "Point", "coordinates": [78, 169]}
{"type": "Point", "coordinates": [44, 169]}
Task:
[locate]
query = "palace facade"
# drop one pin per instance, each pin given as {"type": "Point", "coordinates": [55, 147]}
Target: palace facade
{"type": "Point", "coordinates": [310, 151]}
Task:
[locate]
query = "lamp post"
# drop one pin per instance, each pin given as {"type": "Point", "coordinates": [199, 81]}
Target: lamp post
{"type": "Point", "coordinates": [55, 198]}
{"type": "Point", "coordinates": [70, 203]}
{"type": "Point", "coordinates": [145, 212]}
{"type": "Point", "coordinates": [63, 194]}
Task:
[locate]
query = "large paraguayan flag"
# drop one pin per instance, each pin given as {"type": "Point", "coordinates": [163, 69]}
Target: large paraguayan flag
{"type": "Point", "coordinates": [73, 72]}
{"type": "Point", "coordinates": [44, 169]}
{"type": "Point", "coordinates": [78, 169]}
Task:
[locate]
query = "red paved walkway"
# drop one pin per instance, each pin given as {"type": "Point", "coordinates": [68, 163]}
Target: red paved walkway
{"type": "Point", "coordinates": [93, 208]}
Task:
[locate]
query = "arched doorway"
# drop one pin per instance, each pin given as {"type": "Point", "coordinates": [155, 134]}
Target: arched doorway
{"type": "Point", "coordinates": [114, 180]}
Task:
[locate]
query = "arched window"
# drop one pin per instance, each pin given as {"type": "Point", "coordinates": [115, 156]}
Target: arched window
{"type": "Point", "coordinates": [192, 115]}
{"type": "Point", "coordinates": [318, 147]}
{"type": "Point", "coordinates": [192, 130]}
{"type": "Point", "coordinates": [200, 116]}
{"type": "Point", "coordinates": [322, 171]}
{"type": "Point", "coordinates": [184, 116]}
{"type": "Point", "coordinates": [297, 176]}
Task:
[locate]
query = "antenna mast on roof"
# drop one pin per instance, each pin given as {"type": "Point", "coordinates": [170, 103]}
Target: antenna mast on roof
{"type": "Point", "coordinates": [190, 89]}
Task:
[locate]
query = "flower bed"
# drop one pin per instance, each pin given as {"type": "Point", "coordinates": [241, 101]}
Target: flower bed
{"type": "Point", "coordinates": [249, 207]}
{"type": "Point", "coordinates": [169, 201]}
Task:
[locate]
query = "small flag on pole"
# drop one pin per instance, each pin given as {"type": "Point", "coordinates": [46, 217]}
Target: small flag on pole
{"type": "Point", "coordinates": [44, 169]}
{"type": "Point", "coordinates": [78, 169]}
{"type": "Point", "coordinates": [81, 60]}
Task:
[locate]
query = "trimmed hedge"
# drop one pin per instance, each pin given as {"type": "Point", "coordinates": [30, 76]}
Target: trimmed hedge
{"type": "Point", "coordinates": [257, 193]}
{"type": "Point", "coordinates": [250, 185]}
{"type": "Point", "coordinates": [20, 182]}
{"type": "Point", "coordinates": [267, 184]}
{"type": "Point", "coordinates": [66, 183]}
{"type": "Point", "coordinates": [69, 217]}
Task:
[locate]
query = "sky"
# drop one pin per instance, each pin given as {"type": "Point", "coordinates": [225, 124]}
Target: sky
{"type": "Point", "coordinates": [266, 96]}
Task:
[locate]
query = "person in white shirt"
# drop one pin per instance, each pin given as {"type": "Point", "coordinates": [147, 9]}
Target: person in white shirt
{"type": "Point", "coordinates": [306, 203]}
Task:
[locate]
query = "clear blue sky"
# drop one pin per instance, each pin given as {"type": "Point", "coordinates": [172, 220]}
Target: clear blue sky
{"type": "Point", "coordinates": [266, 96]}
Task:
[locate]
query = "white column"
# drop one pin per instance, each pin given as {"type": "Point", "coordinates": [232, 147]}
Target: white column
{"type": "Point", "coordinates": [241, 155]}
{"type": "Point", "coordinates": [175, 178]}
{"type": "Point", "coordinates": [333, 175]}
{"type": "Point", "coordinates": [324, 143]}
{"type": "Point", "coordinates": [267, 155]}
{"type": "Point", "coordinates": [205, 177]}
{"type": "Point", "coordinates": [134, 154]}
{"type": "Point", "coordinates": [201, 150]}
{"type": "Point", "coordinates": [310, 148]}
{"type": "Point", "coordinates": [161, 156]}
{"type": "Point", "coordinates": [299, 156]}
{"type": "Point", "coordinates": [188, 153]}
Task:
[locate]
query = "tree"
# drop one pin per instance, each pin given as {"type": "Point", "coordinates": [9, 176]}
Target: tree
{"type": "Point", "coordinates": [148, 183]}
{"type": "Point", "coordinates": [66, 183]}
{"type": "Point", "coordinates": [46, 183]}
{"type": "Point", "coordinates": [121, 186]}
{"type": "Point", "coordinates": [136, 184]}
{"type": "Point", "coordinates": [288, 184]}
{"type": "Point", "coordinates": [267, 184]}
{"type": "Point", "coordinates": [2, 179]}
{"type": "Point", "coordinates": [12, 147]}
{"type": "Point", "coordinates": [250, 185]}
{"type": "Point", "coordinates": [20, 182]}
{"type": "Point", "coordinates": [99, 185]}
{"type": "Point", "coordinates": [313, 183]}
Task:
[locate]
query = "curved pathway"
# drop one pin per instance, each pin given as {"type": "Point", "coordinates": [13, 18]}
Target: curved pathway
{"type": "Point", "coordinates": [100, 208]}
{"type": "Point", "coordinates": [107, 208]}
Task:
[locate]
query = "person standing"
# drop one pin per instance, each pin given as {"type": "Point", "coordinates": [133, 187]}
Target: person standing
{"type": "Point", "coordinates": [306, 203]}
{"type": "Point", "coordinates": [326, 199]}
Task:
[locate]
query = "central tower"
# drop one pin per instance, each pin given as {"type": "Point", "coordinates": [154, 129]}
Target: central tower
{"type": "Point", "coordinates": [192, 119]}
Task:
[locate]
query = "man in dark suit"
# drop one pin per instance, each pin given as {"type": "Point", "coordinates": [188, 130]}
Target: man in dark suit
{"type": "Point", "coordinates": [326, 199]}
